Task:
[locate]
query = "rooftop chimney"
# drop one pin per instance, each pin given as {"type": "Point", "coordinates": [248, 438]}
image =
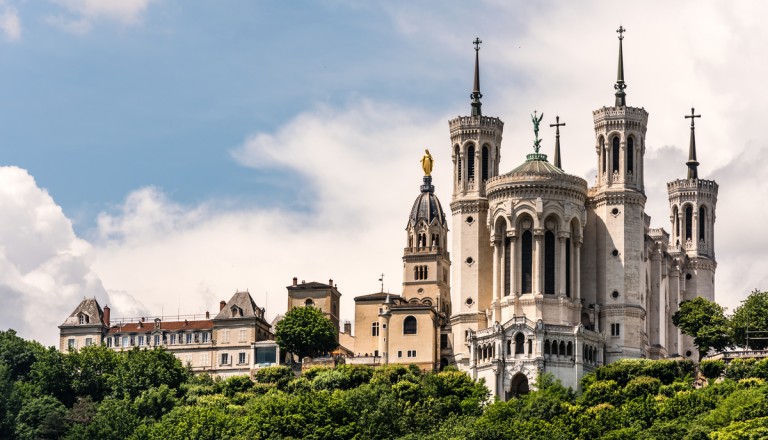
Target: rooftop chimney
{"type": "Point", "coordinates": [295, 281]}
{"type": "Point", "coordinates": [222, 304]}
{"type": "Point", "coordinates": [105, 316]}
{"type": "Point", "coordinates": [348, 327]}
{"type": "Point", "coordinates": [207, 315]}
{"type": "Point", "coordinates": [330, 282]}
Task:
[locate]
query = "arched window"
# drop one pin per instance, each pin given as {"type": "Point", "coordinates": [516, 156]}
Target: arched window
{"type": "Point", "coordinates": [554, 348]}
{"type": "Point", "coordinates": [507, 269]}
{"type": "Point", "coordinates": [615, 154]}
{"type": "Point", "coordinates": [568, 267]}
{"type": "Point", "coordinates": [83, 319]}
{"type": "Point", "coordinates": [457, 153]}
{"type": "Point", "coordinates": [415, 272]}
{"type": "Point", "coordinates": [562, 348]}
{"type": "Point", "coordinates": [374, 329]}
{"type": "Point", "coordinates": [604, 153]}
{"type": "Point", "coordinates": [549, 262]}
{"type": "Point", "coordinates": [676, 221]}
{"type": "Point", "coordinates": [526, 262]}
{"type": "Point", "coordinates": [702, 222]}
{"type": "Point", "coordinates": [569, 349]}
{"type": "Point", "coordinates": [410, 327]}
{"type": "Point", "coordinates": [688, 222]}
{"type": "Point", "coordinates": [426, 272]}
{"type": "Point", "coordinates": [546, 346]}
{"type": "Point", "coordinates": [307, 303]}
{"type": "Point", "coordinates": [484, 166]}
{"type": "Point", "coordinates": [519, 343]}
{"type": "Point", "coordinates": [630, 155]}
{"type": "Point", "coordinates": [471, 162]}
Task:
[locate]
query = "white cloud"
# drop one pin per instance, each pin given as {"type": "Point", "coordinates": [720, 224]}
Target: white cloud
{"type": "Point", "coordinates": [80, 15]}
{"type": "Point", "coordinates": [10, 24]}
{"type": "Point", "coordinates": [44, 268]}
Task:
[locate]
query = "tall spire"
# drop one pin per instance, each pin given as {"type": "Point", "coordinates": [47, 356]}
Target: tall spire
{"type": "Point", "coordinates": [621, 100]}
{"type": "Point", "coordinates": [693, 172]}
{"type": "Point", "coordinates": [476, 95]}
{"type": "Point", "coordinates": [557, 124]}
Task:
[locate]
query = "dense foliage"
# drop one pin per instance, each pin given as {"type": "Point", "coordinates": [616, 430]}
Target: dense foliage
{"type": "Point", "coordinates": [305, 331]}
{"type": "Point", "coordinates": [147, 394]}
{"type": "Point", "coordinates": [705, 321]}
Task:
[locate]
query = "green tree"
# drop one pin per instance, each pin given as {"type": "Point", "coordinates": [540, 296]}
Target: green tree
{"type": "Point", "coordinates": [751, 315]}
{"type": "Point", "coordinates": [18, 354]}
{"type": "Point", "coordinates": [139, 370]}
{"type": "Point", "coordinates": [41, 418]}
{"type": "Point", "coordinates": [705, 321]}
{"type": "Point", "coordinates": [304, 331]}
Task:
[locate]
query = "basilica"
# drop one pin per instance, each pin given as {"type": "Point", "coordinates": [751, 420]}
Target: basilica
{"type": "Point", "coordinates": [547, 273]}
{"type": "Point", "coordinates": [544, 273]}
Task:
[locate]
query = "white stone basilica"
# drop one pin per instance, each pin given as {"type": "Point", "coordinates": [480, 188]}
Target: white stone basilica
{"type": "Point", "coordinates": [551, 275]}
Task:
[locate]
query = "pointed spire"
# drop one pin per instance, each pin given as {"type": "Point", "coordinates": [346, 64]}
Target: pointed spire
{"type": "Point", "coordinates": [621, 100]}
{"type": "Point", "coordinates": [693, 172]}
{"type": "Point", "coordinates": [557, 124]}
{"type": "Point", "coordinates": [476, 95]}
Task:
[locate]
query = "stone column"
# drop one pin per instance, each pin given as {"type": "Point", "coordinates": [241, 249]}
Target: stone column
{"type": "Point", "coordinates": [538, 236]}
{"type": "Point", "coordinates": [576, 267]}
{"type": "Point", "coordinates": [496, 304]}
{"type": "Point", "coordinates": [512, 265]}
{"type": "Point", "coordinates": [562, 276]}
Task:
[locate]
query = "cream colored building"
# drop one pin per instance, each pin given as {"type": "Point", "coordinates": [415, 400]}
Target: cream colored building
{"type": "Point", "coordinates": [552, 275]}
{"type": "Point", "coordinates": [224, 346]}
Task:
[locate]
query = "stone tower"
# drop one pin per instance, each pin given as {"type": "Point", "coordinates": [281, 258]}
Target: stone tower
{"type": "Point", "coordinates": [692, 203]}
{"type": "Point", "coordinates": [615, 281]}
{"type": "Point", "coordinates": [476, 143]}
{"type": "Point", "coordinates": [426, 262]}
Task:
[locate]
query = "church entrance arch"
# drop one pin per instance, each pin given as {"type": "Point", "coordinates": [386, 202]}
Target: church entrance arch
{"type": "Point", "coordinates": [518, 386]}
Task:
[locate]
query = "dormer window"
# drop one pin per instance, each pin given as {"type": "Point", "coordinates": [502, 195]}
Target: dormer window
{"type": "Point", "coordinates": [309, 302]}
{"type": "Point", "coordinates": [83, 318]}
{"type": "Point", "coordinates": [236, 311]}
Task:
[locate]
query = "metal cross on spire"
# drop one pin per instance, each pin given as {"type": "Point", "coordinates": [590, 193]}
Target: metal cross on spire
{"type": "Point", "coordinates": [476, 95]}
{"type": "Point", "coordinates": [693, 164]}
{"type": "Point", "coordinates": [382, 281]}
{"type": "Point", "coordinates": [621, 100]}
{"type": "Point", "coordinates": [557, 126]}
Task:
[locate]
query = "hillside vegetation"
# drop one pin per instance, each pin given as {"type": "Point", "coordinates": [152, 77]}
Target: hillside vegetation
{"type": "Point", "coordinates": [148, 394]}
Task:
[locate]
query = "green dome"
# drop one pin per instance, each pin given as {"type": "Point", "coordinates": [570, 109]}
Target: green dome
{"type": "Point", "coordinates": [536, 164]}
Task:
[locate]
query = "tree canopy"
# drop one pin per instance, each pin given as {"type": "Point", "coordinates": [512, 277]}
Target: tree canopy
{"type": "Point", "coordinates": [705, 321]}
{"type": "Point", "coordinates": [751, 315]}
{"type": "Point", "coordinates": [305, 331]}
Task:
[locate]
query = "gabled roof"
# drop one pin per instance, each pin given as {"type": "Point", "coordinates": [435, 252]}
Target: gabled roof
{"type": "Point", "coordinates": [241, 305]}
{"type": "Point", "coordinates": [90, 308]}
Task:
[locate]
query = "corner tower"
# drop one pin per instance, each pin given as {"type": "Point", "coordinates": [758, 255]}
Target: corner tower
{"type": "Point", "coordinates": [426, 262]}
{"type": "Point", "coordinates": [614, 283]}
{"type": "Point", "coordinates": [692, 203]}
{"type": "Point", "coordinates": [475, 147]}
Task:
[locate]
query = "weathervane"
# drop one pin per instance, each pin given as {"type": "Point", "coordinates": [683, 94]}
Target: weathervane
{"type": "Point", "coordinates": [536, 120]}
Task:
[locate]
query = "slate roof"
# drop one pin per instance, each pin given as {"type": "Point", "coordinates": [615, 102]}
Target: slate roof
{"type": "Point", "coordinates": [537, 165]}
{"type": "Point", "coordinates": [427, 206]}
{"type": "Point", "coordinates": [245, 308]}
{"type": "Point", "coordinates": [91, 308]}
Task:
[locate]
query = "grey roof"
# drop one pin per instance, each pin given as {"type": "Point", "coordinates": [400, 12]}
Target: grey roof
{"type": "Point", "coordinates": [310, 285]}
{"type": "Point", "coordinates": [378, 296]}
{"type": "Point", "coordinates": [536, 164]}
{"type": "Point", "coordinates": [427, 207]}
{"type": "Point", "coordinates": [91, 308]}
{"type": "Point", "coordinates": [243, 305]}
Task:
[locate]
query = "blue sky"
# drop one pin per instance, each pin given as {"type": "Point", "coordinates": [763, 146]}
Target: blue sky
{"type": "Point", "coordinates": [161, 154]}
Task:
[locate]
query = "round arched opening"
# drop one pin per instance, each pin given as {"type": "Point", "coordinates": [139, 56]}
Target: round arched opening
{"type": "Point", "coordinates": [519, 385]}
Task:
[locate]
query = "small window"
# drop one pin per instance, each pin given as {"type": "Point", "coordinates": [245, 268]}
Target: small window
{"type": "Point", "coordinates": [109, 342]}
{"type": "Point", "coordinates": [374, 329]}
{"type": "Point", "coordinates": [88, 342]}
{"type": "Point", "coordinates": [224, 359]}
{"type": "Point", "coordinates": [309, 302]}
{"type": "Point", "coordinates": [141, 340]}
{"type": "Point", "coordinates": [157, 340]}
{"type": "Point", "coordinates": [411, 353]}
{"type": "Point", "coordinates": [399, 353]}
{"type": "Point", "coordinates": [206, 337]}
{"type": "Point", "coordinates": [410, 326]}
{"type": "Point", "coordinates": [71, 344]}
{"type": "Point", "coordinates": [242, 336]}
{"type": "Point", "coordinates": [83, 319]}
{"type": "Point", "coordinates": [241, 358]}
{"type": "Point", "coordinates": [615, 294]}
{"type": "Point", "coordinates": [190, 338]}
{"type": "Point", "coordinates": [173, 338]}
{"type": "Point", "coordinates": [615, 329]}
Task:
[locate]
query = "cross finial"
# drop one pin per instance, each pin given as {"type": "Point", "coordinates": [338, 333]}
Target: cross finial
{"type": "Point", "coordinates": [476, 95]}
{"type": "Point", "coordinates": [477, 43]}
{"type": "Point", "coordinates": [693, 164]}
{"type": "Point", "coordinates": [557, 126]}
{"type": "Point", "coordinates": [621, 31]}
{"type": "Point", "coordinates": [692, 116]}
{"type": "Point", "coordinates": [382, 281]}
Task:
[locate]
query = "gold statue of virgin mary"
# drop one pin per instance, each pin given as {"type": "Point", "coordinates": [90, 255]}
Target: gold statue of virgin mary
{"type": "Point", "coordinates": [427, 162]}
